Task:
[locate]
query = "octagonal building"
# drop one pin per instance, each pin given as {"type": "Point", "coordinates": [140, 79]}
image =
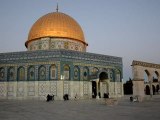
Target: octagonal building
{"type": "Point", "coordinates": [57, 63]}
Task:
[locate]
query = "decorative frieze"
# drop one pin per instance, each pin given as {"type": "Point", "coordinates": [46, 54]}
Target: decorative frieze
{"type": "Point", "coordinates": [145, 64]}
{"type": "Point", "coordinates": [57, 55]}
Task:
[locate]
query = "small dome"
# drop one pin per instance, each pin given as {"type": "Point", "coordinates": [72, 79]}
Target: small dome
{"type": "Point", "coordinates": [56, 25]}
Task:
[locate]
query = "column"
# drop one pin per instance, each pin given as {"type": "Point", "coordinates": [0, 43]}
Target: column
{"type": "Point", "coordinates": [97, 81]}
{"type": "Point", "coordinates": [150, 84]}
{"type": "Point", "coordinates": [151, 91]}
{"type": "Point", "coordinates": [47, 72]}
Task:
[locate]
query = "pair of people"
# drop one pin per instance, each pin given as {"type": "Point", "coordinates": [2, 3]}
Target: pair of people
{"type": "Point", "coordinates": [50, 97]}
{"type": "Point", "coordinates": [66, 97]}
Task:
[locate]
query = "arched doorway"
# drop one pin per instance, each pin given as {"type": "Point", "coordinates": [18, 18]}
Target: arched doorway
{"type": "Point", "coordinates": [147, 90]}
{"type": "Point", "coordinates": [157, 88]}
{"type": "Point", "coordinates": [99, 85]}
{"type": "Point", "coordinates": [103, 76]}
{"type": "Point", "coordinates": [154, 89]}
{"type": "Point", "coordinates": [103, 85]}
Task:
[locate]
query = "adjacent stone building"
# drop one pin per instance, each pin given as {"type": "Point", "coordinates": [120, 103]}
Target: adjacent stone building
{"type": "Point", "coordinates": [57, 63]}
{"type": "Point", "coordinates": [142, 87]}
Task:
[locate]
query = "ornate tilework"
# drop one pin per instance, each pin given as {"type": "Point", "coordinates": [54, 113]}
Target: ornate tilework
{"type": "Point", "coordinates": [56, 43]}
{"type": "Point", "coordinates": [20, 89]}
{"type": "Point", "coordinates": [53, 87]}
{"type": "Point", "coordinates": [2, 73]}
{"type": "Point", "coordinates": [66, 87]}
{"type": "Point", "coordinates": [85, 88]}
{"type": "Point", "coordinates": [2, 89]}
{"type": "Point", "coordinates": [10, 89]}
{"type": "Point", "coordinates": [31, 88]}
{"type": "Point", "coordinates": [42, 88]}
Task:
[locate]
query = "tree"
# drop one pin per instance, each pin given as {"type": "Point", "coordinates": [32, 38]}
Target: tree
{"type": "Point", "coordinates": [128, 87]}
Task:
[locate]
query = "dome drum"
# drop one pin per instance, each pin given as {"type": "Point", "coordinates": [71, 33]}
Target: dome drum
{"type": "Point", "coordinates": [56, 43]}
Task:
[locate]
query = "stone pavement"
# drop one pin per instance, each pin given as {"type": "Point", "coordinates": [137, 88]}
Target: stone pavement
{"type": "Point", "coordinates": [79, 110]}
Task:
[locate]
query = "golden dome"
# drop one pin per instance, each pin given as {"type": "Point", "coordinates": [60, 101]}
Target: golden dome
{"type": "Point", "coordinates": [56, 24]}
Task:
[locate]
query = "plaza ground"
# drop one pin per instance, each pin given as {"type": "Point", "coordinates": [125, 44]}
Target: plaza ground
{"type": "Point", "coordinates": [80, 110]}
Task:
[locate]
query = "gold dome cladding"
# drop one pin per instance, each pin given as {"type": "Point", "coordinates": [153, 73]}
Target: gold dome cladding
{"type": "Point", "coordinates": [56, 24]}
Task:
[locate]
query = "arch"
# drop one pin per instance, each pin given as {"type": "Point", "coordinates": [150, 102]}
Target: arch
{"type": "Point", "coordinates": [21, 74]}
{"type": "Point", "coordinates": [42, 73]}
{"type": "Point", "coordinates": [103, 76]}
{"type": "Point", "coordinates": [153, 89]}
{"type": "Point", "coordinates": [95, 70]}
{"type": "Point", "coordinates": [105, 69]}
{"type": "Point", "coordinates": [85, 73]}
{"type": "Point", "coordinates": [146, 76]}
{"type": "Point", "coordinates": [76, 73]}
{"type": "Point", "coordinates": [157, 88]}
{"type": "Point", "coordinates": [11, 74]}
{"type": "Point", "coordinates": [2, 73]}
{"type": "Point", "coordinates": [111, 75]}
{"type": "Point", "coordinates": [147, 90]}
{"type": "Point", "coordinates": [156, 72]}
{"type": "Point", "coordinates": [117, 75]}
{"type": "Point", "coordinates": [31, 73]}
{"type": "Point", "coordinates": [155, 76]}
{"type": "Point", "coordinates": [147, 72]}
{"type": "Point", "coordinates": [66, 71]}
{"type": "Point", "coordinates": [53, 72]}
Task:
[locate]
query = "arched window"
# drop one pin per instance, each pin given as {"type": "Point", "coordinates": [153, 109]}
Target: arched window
{"type": "Point", "coordinates": [146, 76]}
{"type": "Point", "coordinates": [53, 72]}
{"type": "Point", "coordinates": [31, 73]}
{"type": "Point", "coordinates": [2, 72]}
{"type": "Point", "coordinates": [85, 73]}
{"type": "Point", "coordinates": [95, 71]}
{"type": "Point", "coordinates": [76, 73]}
{"type": "Point", "coordinates": [21, 73]}
{"type": "Point", "coordinates": [66, 72]}
{"type": "Point", "coordinates": [118, 76]}
{"type": "Point", "coordinates": [42, 73]}
{"type": "Point", "coordinates": [111, 75]}
{"type": "Point", "coordinates": [11, 74]}
{"type": "Point", "coordinates": [155, 76]}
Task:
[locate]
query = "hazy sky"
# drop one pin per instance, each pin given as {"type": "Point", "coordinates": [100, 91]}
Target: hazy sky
{"type": "Point", "coordinates": [126, 28]}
